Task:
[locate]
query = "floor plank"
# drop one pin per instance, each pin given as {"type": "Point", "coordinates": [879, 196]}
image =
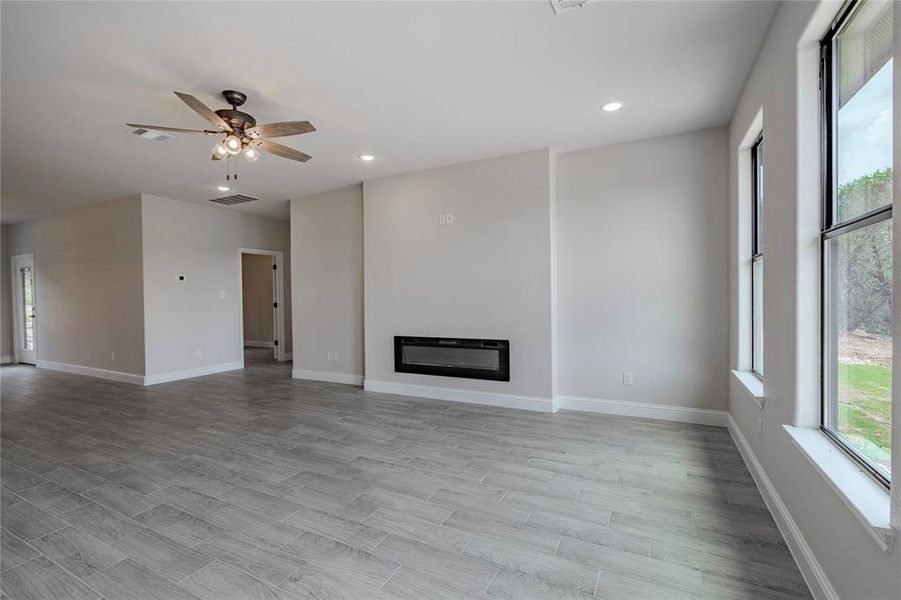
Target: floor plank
{"type": "Point", "coordinates": [40, 579]}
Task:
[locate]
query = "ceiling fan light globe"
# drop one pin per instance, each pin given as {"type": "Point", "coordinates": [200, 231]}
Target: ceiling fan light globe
{"type": "Point", "coordinates": [251, 154]}
{"type": "Point", "coordinates": [220, 150]}
{"type": "Point", "coordinates": [232, 144]}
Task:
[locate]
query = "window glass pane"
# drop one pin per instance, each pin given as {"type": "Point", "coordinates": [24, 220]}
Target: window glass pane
{"type": "Point", "coordinates": [757, 310]}
{"type": "Point", "coordinates": [27, 308]}
{"type": "Point", "coordinates": [860, 316]}
{"type": "Point", "coordinates": [758, 198]}
{"type": "Point", "coordinates": [864, 136]}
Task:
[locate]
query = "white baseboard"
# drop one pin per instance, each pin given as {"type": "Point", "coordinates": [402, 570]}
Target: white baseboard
{"type": "Point", "coordinates": [456, 395]}
{"type": "Point", "coordinates": [5, 360]}
{"type": "Point", "coordinates": [814, 575]}
{"type": "Point", "coordinates": [258, 344]}
{"type": "Point", "coordinates": [189, 373]}
{"type": "Point", "coordinates": [91, 372]}
{"type": "Point", "coordinates": [328, 376]}
{"type": "Point", "coordinates": [681, 414]}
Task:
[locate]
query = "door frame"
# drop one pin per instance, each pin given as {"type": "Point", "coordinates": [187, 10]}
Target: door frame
{"type": "Point", "coordinates": [279, 295]}
{"type": "Point", "coordinates": [16, 304]}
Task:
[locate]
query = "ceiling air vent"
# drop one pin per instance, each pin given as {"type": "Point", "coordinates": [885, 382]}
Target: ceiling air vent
{"type": "Point", "coordinates": [152, 135]}
{"type": "Point", "coordinates": [561, 5]}
{"type": "Point", "coordinates": [233, 199]}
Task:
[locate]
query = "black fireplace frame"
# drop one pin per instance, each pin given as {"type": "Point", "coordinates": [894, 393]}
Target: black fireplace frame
{"type": "Point", "coordinates": [502, 346]}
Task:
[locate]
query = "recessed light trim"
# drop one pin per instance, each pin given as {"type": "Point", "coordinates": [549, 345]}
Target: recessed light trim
{"type": "Point", "coordinates": [612, 106]}
{"type": "Point", "coordinates": [367, 157]}
{"type": "Point", "coordinates": [223, 188]}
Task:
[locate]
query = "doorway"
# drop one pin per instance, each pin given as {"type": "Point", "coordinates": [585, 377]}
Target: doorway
{"type": "Point", "coordinates": [261, 303]}
{"type": "Point", "coordinates": [24, 313]}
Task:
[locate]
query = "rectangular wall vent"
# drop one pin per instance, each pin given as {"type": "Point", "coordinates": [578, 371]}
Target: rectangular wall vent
{"type": "Point", "coordinates": [152, 135]}
{"type": "Point", "coordinates": [234, 199]}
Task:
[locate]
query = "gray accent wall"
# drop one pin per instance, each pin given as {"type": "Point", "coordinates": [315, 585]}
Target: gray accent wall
{"type": "Point", "coordinates": [6, 332]}
{"type": "Point", "coordinates": [90, 302]}
{"type": "Point", "coordinates": [486, 275]}
{"type": "Point", "coordinates": [327, 280]}
{"type": "Point", "coordinates": [202, 243]}
{"type": "Point", "coordinates": [591, 263]}
{"type": "Point", "coordinates": [642, 233]}
{"type": "Point", "coordinates": [107, 296]}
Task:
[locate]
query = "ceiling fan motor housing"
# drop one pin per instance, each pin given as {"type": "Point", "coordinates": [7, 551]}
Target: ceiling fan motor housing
{"type": "Point", "coordinates": [234, 117]}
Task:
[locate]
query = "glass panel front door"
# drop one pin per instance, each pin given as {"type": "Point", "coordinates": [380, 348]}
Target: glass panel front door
{"type": "Point", "coordinates": [24, 296]}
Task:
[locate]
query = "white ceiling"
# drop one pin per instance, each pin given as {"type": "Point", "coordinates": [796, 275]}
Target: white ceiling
{"type": "Point", "coordinates": [417, 84]}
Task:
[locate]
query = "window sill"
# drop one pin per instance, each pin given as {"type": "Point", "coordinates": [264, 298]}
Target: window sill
{"type": "Point", "coordinates": [753, 386]}
{"type": "Point", "coordinates": [869, 501]}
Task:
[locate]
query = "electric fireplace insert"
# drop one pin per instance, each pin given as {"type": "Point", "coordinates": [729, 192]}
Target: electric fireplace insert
{"type": "Point", "coordinates": [453, 357]}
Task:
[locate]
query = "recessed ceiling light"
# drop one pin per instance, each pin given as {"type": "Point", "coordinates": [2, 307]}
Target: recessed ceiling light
{"type": "Point", "coordinates": [367, 157]}
{"type": "Point", "coordinates": [612, 106]}
{"type": "Point", "coordinates": [222, 188]}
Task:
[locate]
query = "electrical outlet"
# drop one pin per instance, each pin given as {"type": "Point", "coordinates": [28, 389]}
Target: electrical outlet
{"type": "Point", "coordinates": [112, 355]}
{"type": "Point", "coordinates": [222, 293]}
{"type": "Point", "coordinates": [449, 218]}
{"type": "Point", "coordinates": [199, 352]}
{"type": "Point", "coordinates": [442, 219]}
{"type": "Point", "coordinates": [628, 378]}
{"type": "Point", "coordinates": [179, 278]}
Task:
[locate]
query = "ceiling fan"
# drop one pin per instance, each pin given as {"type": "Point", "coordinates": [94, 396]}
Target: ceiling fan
{"type": "Point", "coordinates": [242, 134]}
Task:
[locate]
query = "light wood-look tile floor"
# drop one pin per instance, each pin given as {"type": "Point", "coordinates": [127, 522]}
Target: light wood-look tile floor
{"type": "Point", "coordinates": [252, 485]}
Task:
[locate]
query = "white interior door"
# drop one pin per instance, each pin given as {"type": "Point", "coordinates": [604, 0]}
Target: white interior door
{"type": "Point", "coordinates": [24, 314]}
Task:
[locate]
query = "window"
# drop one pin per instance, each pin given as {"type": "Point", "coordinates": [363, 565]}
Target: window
{"type": "Point", "coordinates": [757, 257]}
{"type": "Point", "coordinates": [857, 233]}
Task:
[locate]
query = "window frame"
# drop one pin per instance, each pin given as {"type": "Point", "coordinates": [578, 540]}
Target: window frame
{"type": "Point", "coordinates": [756, 248]}
{"type": "Point", "coordinates": [831, 229]}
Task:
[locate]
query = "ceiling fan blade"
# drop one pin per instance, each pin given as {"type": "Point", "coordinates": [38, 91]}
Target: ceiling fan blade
{"type": "Point", "coordinates": [204, 111]}
{"type": "Point", "coordinates": [280, 150]}
{"type": "Point", "coordinates": [270, 130]}
{"type": "Point", "coordinates": [174, 129]}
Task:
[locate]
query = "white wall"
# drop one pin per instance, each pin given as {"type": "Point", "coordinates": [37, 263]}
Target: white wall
{"type": "Point", "coordinates": [89, 286]}
{"type": "Point", "coordinates": [256, 298]}
{"type": "Point", "coordinates": [783, 86]}
{"type": "Point", "coordinates": [642, 232]}
{"type": "Point", "coordinates": [488, 275]}
{"type": "Point", "coordinates": [6, 332]}
{"type": "Point", "coordinates": [327, 282]}
{"type": "Point", "coordinates": [202, 243]}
